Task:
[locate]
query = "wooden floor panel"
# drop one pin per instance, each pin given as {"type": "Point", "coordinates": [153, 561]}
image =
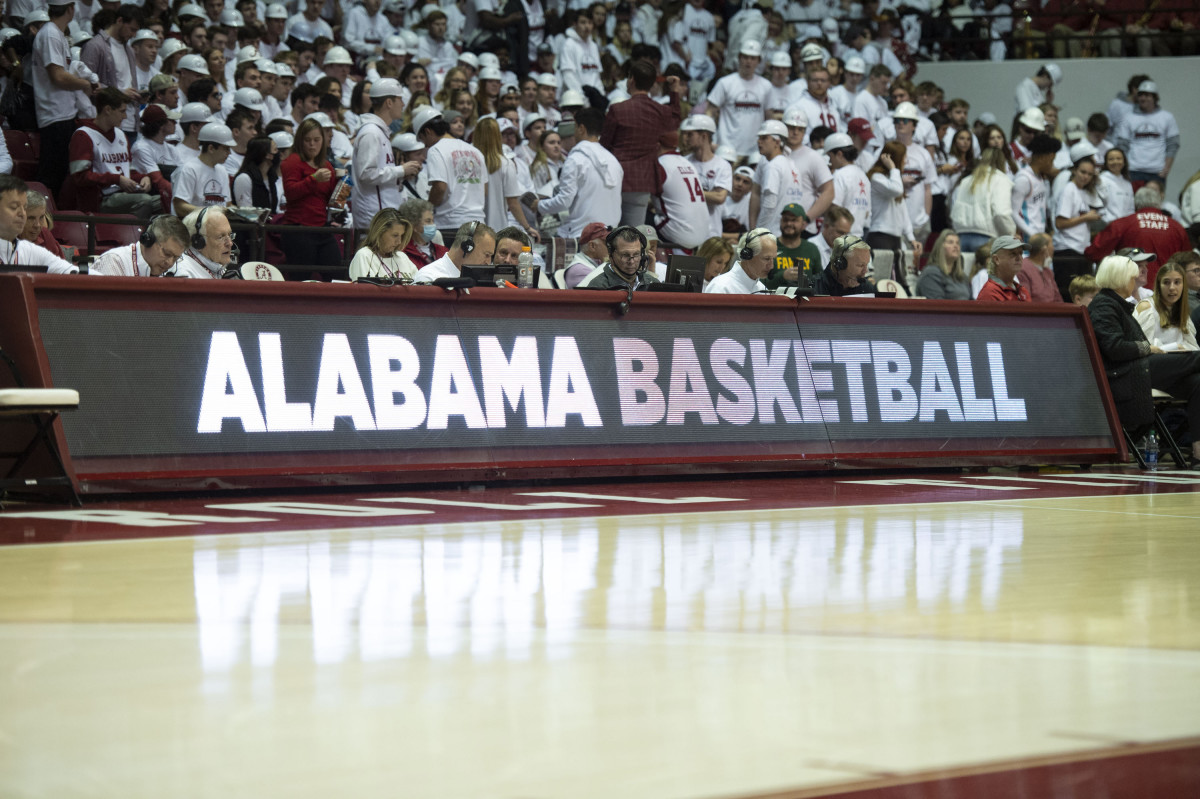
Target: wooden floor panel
{"type": "Point", "coordinates": [676, 654]}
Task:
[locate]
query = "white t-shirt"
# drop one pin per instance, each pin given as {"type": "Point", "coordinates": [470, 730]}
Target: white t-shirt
{"type": "Point", "coordinates": [918, 164]}
{"type": "Point", "coordinates": [502, 184]}
{"type": "Point", "coordinates": [149, 155]}
{"type": "Point", "coordinates": [813, 172]}
{"type": "Point", "coordinates": [699, 31]}
{"type": "Point", "coordinates": [852, 191]}
{"type": "Point", "coordinates": [461, 167]}
{"type": "Point", "coordinates": [1029, 203]}
{"type": "Point", "coordinates": [819, 112]}
{"type": "Point", "coordinates": [741, 104]}
{"type": "Point", "coordinates": [197, 183]}
{"type": "Point", "coordinates": [1072, 202]}
{"type": "Point", "coordinates": [681, 213]}
{"type": "Point", "coordinates": [1147, 136]}
{"type": "Point", "coordinates": [366, 263]}
{"type": "Point", "coordinates": [715, 173]}
{"type": "Point", "coordinates": [52, 104]}
{"type": "Point", "coordinates": [779, 184]}
{"type": "Point", "coordinates": [736, 209]}
{"type": "Point", "coordinates": [1118, 197]}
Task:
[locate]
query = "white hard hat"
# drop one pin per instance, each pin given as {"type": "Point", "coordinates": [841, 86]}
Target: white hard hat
{"type": "Point", "coordinates": [266, 66]}
{"type": "Point", "coordinates": [773, 127]}
{"type": "Point", "coordinates": [217, 133]}
{"type": "Point", "coordinates": [322, 119]}
{"type": "Point", "coordinates": [490, 73]}
{"type": "Point", "coordinates": [856, 65]}
{"type": "Point", "coordinates": [1033, 118]}
{"type": "Point", "coordinates": [572, 98]}
{"type": "Point", "coordinates": [169, 48]}
{"type": "Point", "coordinates": [795, 118]}
{"type": "Point", "coordinates": [811, 52]}
{"type": "Point", "coordinates": [386, 87]}
{"type": "Point", "coordinates": [699, 122]}
{"type": "Point", "coordinates": [195, 112]}
{"type": "Point", "coordinates": [837, 141]}
{"type": "Point", "coordinates": [249, 98]}
{"type": "Point", "coordinates": [248, 53]}
{"type": "Point", "coordinates": [193, 63]}
{"type": "Point", "coordinates": [423, 116]}
{"type": "Point", "coordinates": [338, 55]}
{"type": "Point", "coordinates": [191, 10]}
{"type": "Point", "coordinates": [780, 59]}
{"type": "Point", "coordinates": [906, 111]}
{"type": "Point", "coordinates": [144, 35]}
{"type": "Point", "coordinates": [728, 153]}
{"type": "Point", "coordinates": [395, 45]}
{"type": "Point", "coordinates": [1147, 87]}
{"type": "Point", "coordinates": [1055, 72]}
{"type": "Point", "coordinates": [282, 139]}
{"type": "Point", "coordinates": [232, 18]}
{"type": "Point", "coordinates": [752, 48]}
{"type": "Point", "coordinates": [406, 143]}
{"type": "Point", "coordinates": [276, 11]}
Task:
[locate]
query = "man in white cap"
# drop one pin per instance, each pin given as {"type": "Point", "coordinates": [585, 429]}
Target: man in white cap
{"type": "Point", "coordinates": [809, 168]}
{"type": "Point", "coordinates": [458, 174]}
{"type": "Point", "coordinates": [780, 96]}
{"type": "Point", "coordinates": [1032, 92]}
{"type": "Point", "coordinates": [193, 117]}
{"type": "Point", "coordinates": [54, 90]}
{"type": "Point", "coordinates": [272, 43]}
{"type": "Point", "coordinates": [579, 57]}
{"type": "Point", "coordinates": [716, 174]}
{"type": "Point", "coordinates": [738, 101]}
{"type": "Point", "coordinates": [210, 251]}
{"type": "Point", "coordinates": [395, 53]}
{"type": "Point", "coordinates": [366, 28]}
{"type": "Point", "coordinates": [1150, 137]}
{"type": "Point", "coordinates": [192, 68]}
{"type": "Point", "coordinates": [144, 45]}
{"type": "Point", "coordinates": [278, 102]}
{"type": "Point", "coordinates": [918, 172]}
{"type": "Point", "coordinates": [776, 180]}
{"type": "Point", "coordinates": [376, 174]}
{"type": "Point", "coordinates": [406, 150]}
{"type": "Point", "coordinates": [547, 93]}
{"type": "Point", "coordinates": [815, 104]}
{"type": "Point", "coordinates": [851, 188]}
{"type": "Point", "coordinates": [843, 95]}
{"type": "Point", "coordinates": [337, 65]}
{"type": "Point", "coordinates": [203, 180]}
{"type": "Point", "coordinates": [1031, 122]}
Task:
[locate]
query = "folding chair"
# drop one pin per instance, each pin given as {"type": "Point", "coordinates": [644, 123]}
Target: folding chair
{"type": "Point", "coordinates": [41, 406]}
{"type": "Point", "coordinates": [1161, 399]}
{"type": "Point", "coordinates": [881, 265]}
{"type": "Point", "coordinates": [259, 270]}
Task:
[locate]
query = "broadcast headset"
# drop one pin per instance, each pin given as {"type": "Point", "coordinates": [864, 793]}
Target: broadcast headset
{"type": "Point", "coordinates": [611, 239]}
{"type": "Point", "coordinates": [468, 245]}
{"type": "Point", "coordinates": [148, 239]}
{"type": "Point", "coordinates": [838, 263]}
{"type": "Point", "coordinates": [745, 254]}
{"type": "Point", "coordinates": [199, 242]}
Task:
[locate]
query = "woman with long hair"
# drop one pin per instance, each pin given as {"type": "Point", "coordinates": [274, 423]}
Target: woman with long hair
{"type": "Point", "coordinates": [994, 138]}
{"type": "Point", "coordinates": [548, 158]}
{"type": "Point", "coordinates": [308, 183]}
{"type": "Point", "coordinates": [717, 254]}
{"type": "Point", "coordinates": [1078, 205]}
{"type": "Point", "coordinates": [415, 78]}
{"type": "Point", "coordinates": [360, 103]}
{"type": "Point", "coordinates": [503, 188]}
{"type": "Point", "coordinates": [488, 93]}
{"type": "Point", "coordinates": [1115, 188]}
{"type": "Point", "coordinates": [944, 277]}
{"type": "Point", "coordinates": [463, 102]}
{"type": "Point", "coordinates": [961, 157]}
{"type": "Point", "coordinates": [981, 208]}
{"type": "Point", "coordinates": [417, 100]}
{"type": "Point", "coordinates": [214, 58]}
{"type": "Point", "coordinates": [421, 249]}
{"type": "Point", "coordinates": [891, 225]}
{"type": "Point", "coordinates": [455, 80]}
{"type": "Point", "coordinates": [382, 253]}
{"type": "Point", "coordinates": [255, 185]}
{"type": "Point", "coordinates": [621, 46]}
{"type": "Point", "coordinates": [1165, 318]}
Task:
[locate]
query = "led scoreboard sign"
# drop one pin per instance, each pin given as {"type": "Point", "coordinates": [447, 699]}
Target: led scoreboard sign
{"type": "Point", "coordinates": [418, 380]}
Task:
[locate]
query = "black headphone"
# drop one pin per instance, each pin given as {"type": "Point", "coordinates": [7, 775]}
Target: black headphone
{"type": "Point", "coordinates": [148, 239]}
{"type": "Point", "coordinates": [198, 240]}
{"type": "Point", "coordinates": [839, 261]}
{"type": "Point", "coordinates": [468, 245]}
{"type": "Point", "coordinates": [610, 243]}
{"type": "Point", "coordinates": [745, 254]}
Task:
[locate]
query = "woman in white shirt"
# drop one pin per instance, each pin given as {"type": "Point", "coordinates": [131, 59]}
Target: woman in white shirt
{"type": "Point", "coordinates": [890, 224]}
{"type": "Point", "coordinates": [1077, 206]}
{"type": "Point", "coordinates": [982, 206]}
{"type": "Point", "coordinates": [1165, 317]}
{"type": "Point", "coordinates": [502, 196]}
{"type": "Point", "coordinates": [382, 254]}
{"type": "Point", "coordinates": [1115, 187]}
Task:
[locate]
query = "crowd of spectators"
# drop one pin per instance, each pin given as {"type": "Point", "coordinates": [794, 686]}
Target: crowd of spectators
{"type": "Point", "coordinates": [786, 144]}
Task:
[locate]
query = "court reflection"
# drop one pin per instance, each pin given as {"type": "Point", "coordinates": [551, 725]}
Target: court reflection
{"type": "Point", "coordinates": [524, 589]}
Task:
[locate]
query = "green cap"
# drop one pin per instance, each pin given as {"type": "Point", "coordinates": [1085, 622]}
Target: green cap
{"type": "Point", "coordinates": [795, 209]}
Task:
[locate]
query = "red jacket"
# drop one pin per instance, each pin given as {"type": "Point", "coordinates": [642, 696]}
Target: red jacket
{"type": "Point", "coordinates": [994, 292]}
{"type": "Point", "coordinates": [420, 257]}
{"type": "Point", "coordinates": [1150, 230]}
{"type": "Point", "coordinates": [307, 199]}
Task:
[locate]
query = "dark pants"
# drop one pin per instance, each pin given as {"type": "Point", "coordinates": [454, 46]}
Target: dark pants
{"type": "Point", "coordinates": [311, 249]}
{"type": "Point", "coordinates": [1178, 374]}
{"type": "Point", "coordinates": [55, 143]}
{"type": "Point", "coordinates": [1068, 265]}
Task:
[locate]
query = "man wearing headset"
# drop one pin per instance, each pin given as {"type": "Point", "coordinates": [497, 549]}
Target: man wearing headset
{"type": "Point", "coordinates": [211, 245]}
{"type": "Point", "coordinates": [163, 243]}
{"type": "Point", "coordinates": [846, 274]}
{"type": "Point", "coordinates": [756, 255]}
{"type": "Point", "coordinates": [628, 263]}
{"type": "Point", "coordinates": [474, 245]}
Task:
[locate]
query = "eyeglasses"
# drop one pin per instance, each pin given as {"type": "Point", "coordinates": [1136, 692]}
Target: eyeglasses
{"type": "Point", "coordinates": [628, 257]}
{"type": "Point", "coordinates": [224, 237]}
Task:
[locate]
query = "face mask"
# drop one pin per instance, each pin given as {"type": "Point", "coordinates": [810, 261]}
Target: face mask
{"type": "Point", "coordinates": [428, 232]}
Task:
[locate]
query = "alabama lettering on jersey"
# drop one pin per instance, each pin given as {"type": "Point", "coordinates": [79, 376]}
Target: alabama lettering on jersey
{"type": "Point", "coordinates": [92, 151]}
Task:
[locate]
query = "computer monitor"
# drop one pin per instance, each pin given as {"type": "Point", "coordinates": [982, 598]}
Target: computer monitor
{"type": "Point", "coordinates": [488, 274]}
{"type": "Point", "coordinates": [686, 270]}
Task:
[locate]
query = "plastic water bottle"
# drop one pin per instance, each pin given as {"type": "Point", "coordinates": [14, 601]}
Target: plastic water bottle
{"type": "Point", "coordinates": [525, 268]}
{"type": "Point", "coordinates": [1151, 451]}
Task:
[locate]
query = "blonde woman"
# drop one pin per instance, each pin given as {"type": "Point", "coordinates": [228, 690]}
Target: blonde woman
{"type": "Point", "coordinates": [382, 254]}
{"type": "Point", "coordinates": [503, 188]}
{"type": "Point", "coordinates": [944, 278]}
{"type": "Point", "coordinates": [982, 204]}
{"type": "Point", "coordinates": [717, 254]}
{"type": "Point", "coordinates": [454, 81]}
